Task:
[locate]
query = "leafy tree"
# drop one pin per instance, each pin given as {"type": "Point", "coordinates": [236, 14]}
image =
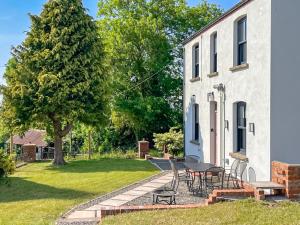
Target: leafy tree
{"type": "Point", "coordinates": [58, 78]}
{"type": "Point", "coordinates": [172, 141]}
{"type": "Point", "coordinates": [143, 41]}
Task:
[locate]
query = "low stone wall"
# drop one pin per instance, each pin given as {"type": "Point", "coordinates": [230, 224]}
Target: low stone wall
{"type": "Point", "coordinates": [288, 175]}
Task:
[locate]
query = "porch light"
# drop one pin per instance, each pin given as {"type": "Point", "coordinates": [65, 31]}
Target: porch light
{"type": "Point", "coordinates": [210, 97]}
{"type": "Point", "coordinates": [252, 128]}
{"type": "Point", "coordinates": [193, 98]}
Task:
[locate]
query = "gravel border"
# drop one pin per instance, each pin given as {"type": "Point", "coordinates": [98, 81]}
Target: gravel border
{"type": "Point", "coordinates": [107, 196]}
{"type": "Point", "coordinates": [184, 197]}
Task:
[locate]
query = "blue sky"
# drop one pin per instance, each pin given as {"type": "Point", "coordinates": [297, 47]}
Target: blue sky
{"type": "Point", "coordinates": [14, 21]}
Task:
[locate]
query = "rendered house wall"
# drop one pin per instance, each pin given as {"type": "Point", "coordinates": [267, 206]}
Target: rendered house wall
{"type": "Point", "coordinates": [251, 85]}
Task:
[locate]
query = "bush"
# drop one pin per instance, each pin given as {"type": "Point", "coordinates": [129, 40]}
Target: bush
{"type": "Point", "coordinates": [7, 164]}
{"type": "Point", "coordinates": [173, 141]}
{"type": "Point", "coordinates": [119, 154]}
{"type": "Point", "coordinates": [156, 153]}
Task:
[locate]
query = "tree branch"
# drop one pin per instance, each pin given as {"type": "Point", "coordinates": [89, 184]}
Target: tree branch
{"type": "Point", "coordinates": [66, 129]}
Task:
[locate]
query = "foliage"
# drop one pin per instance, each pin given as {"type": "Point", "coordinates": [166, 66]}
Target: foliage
{"type": "Point", "coordinates": [7, 164]}
{"type": "Point", "coordinates": [57, 76]}
{"type": "Point", "coordinates": [172, 140]}
{"type": "Point", "coordinates": [239, 212]}
{"type": "Point", "coordinates": [143, 44]}
{"type": "Point", "coordinates": [156, 153]}
{"type": "Point", "coordinates": [120, 154]}
{"type": "Point", "coordinates": [48, 191]}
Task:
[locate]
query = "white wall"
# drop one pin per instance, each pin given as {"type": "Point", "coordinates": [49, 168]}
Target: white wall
{"type": "Point", "coordinates": [251, 85]}
{"type": "Point", "coordinates": [285, 102]}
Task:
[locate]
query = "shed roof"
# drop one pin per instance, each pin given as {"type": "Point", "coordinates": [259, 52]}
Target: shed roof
{"type": "Point", "coordinates": [35, 137]}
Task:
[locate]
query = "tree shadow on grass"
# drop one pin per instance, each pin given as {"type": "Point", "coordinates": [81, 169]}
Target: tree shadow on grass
{"type": "Point", "coordinates": [104, 165]}
{"type": "Point", "coordinates": [19, 189]}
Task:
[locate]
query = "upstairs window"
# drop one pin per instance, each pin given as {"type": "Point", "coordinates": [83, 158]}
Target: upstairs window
{"type": "Point", "coordinates": [196, 122]}
{"type": "Point", "coordinates": [214, 53]}
{"type": "Point", "coordinates": [196, 61]}
{"type": "Point", "coordinates": [242, 41]}
{"type": "Point", "coordinates": [241, 127]}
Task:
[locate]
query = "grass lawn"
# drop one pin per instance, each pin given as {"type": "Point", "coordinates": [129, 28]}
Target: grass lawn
{"type": "Point", "coordinates": [38, 193]}
{"type": "Point", "coordinates": [235, 213]}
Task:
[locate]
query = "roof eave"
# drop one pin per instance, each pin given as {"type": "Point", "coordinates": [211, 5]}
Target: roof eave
{"type": "Point", "coordinates": [216, 21]}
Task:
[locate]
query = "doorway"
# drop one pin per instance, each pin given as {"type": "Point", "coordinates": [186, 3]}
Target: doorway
{"type": "Point", "coordinates": [213, 132]}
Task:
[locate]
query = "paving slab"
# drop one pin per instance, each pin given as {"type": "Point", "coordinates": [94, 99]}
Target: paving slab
{"type": "Point", "coordinates": [135, 193]}
{"type": "Point", "coordinates": [82, 214]}
{"type": "Point", "coordinates": [113, 202]}
{"type": "Point", "coordinates": [154, 185]}
{"type": "Point", "coordinates": [143, 188]}
{"type": "Point", "coordinates": [125, 197]}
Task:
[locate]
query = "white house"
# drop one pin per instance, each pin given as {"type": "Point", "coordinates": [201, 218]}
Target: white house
{"type": "Point", "coordinates": [241, 86]}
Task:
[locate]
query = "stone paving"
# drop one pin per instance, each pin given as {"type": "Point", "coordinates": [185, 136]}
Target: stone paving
{"type": "Point", "coordinates": [91, 215]}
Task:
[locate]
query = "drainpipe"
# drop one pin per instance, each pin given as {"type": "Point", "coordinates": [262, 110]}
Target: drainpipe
{"type": "Point", "coordinates": [183, 104]}
{"type": "Point", "coordinates": [221, 90]}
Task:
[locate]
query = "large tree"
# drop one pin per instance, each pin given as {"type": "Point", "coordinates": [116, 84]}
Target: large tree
{"type": "Point", "coordinates": [143, 41]}
{"type": "Point", "coordinates": [58, 76]}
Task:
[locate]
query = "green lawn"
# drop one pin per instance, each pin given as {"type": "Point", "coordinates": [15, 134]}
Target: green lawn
{"type": "Point", "coordinates": [235, 213]}
{"type": "Point", "coordinates": [38, 193]}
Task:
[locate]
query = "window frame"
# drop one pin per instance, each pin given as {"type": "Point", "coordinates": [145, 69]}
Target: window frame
{"type": "Point", "coordinates": [196, 60]}
{"type": "Point", "coordinates": [196, 127]}
{"type": "Point", "coordinates": [241, 127]}
{"type": "Point", "coordinates": [241, 29]}
{"type": "Point", "coordinates": [214, 53]}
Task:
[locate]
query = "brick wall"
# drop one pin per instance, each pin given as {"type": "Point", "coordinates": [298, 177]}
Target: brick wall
{"type": "Point", "coordinates": [29, 153]}
{"type": "Point", "coordinates": [288, 175]}
{"type": "Point", "coordinates": [143, 149]}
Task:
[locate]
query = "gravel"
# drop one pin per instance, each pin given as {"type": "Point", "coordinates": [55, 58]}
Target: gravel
{"type": "Point", "coordinates": [184, 197]}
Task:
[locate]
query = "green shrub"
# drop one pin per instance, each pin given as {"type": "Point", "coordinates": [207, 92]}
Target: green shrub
{"type": "Point", "coordinates": [173, 140]}
{"type": "Point", "coordinates": [119, 154]}
{"type": "Point", "coordinates": [156, 153]}
{"type": "Point", "coordinates": [7, 164]}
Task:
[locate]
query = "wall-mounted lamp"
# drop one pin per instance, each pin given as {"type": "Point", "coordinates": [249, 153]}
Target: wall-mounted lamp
{"type": "Point", "coordinates": [252, 128]}
{"type": "Point", "coordinates": [210, 97]}
{"type": "Point", "coordinates": [226, 124]}
{"type": "Point", "coordinates": [193, 98]}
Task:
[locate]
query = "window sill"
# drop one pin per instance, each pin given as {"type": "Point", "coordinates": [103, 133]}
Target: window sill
{"type": "Point", "coordinates": [214, 74]}
{"type": "Point", "coordinates": [195, 79]}
{"type": "Point", "coordinates": [195, 142]}
{"type": "Point", "coordinates": [239, 67]}
{"type": "Point", "coordinates": [238, 155]}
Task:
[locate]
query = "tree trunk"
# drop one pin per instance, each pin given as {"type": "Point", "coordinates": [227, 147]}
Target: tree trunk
{"type": "Point", "coordinates": [90, 150]}
{"type": "Point", "coordinates": [59, 133]}
{"type": "Point", "coordinates": [11, 144]}
{"type": "Point", "coordinates": [58, 151]}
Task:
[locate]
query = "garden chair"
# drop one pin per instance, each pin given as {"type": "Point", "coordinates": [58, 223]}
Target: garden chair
{"type": "Point", "coordinates": [231, 176]}
{"type": "Point", "coordinates": [213, 179]}
{"type": "Point", "coordinates": [167, 194]}
{"type": "Point", "coordinates": [183, 176]}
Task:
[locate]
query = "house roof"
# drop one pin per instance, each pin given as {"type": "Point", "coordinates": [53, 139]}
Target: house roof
{"type": "Point", "coordinates": [216, 21]}
{"type": "Point", "coordinates": [35, 137]}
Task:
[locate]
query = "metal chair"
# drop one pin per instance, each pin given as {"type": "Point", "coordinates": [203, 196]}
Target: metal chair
{"type": "Point", "coordinates": [182, 177]}
{"type": "Point", "coordinates": [240, 172]}
{"type": "Point", "coordinates": [167, 194]}
{"type": "Point", "coordinates": [232, 174]}
{"type": "Point", "coordinates": [213, 179]}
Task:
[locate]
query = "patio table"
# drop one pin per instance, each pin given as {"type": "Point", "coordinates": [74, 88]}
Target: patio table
{"type": "Point", "coordinates": [198, 167]}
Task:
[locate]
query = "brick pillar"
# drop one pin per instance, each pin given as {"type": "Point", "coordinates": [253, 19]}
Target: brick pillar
{"type": "Point", "coordinates": [288, 175]}
{"type": "Point", "coordinates": [143, 149]}
{"type": "Point", "coordinates": [29, 153]}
